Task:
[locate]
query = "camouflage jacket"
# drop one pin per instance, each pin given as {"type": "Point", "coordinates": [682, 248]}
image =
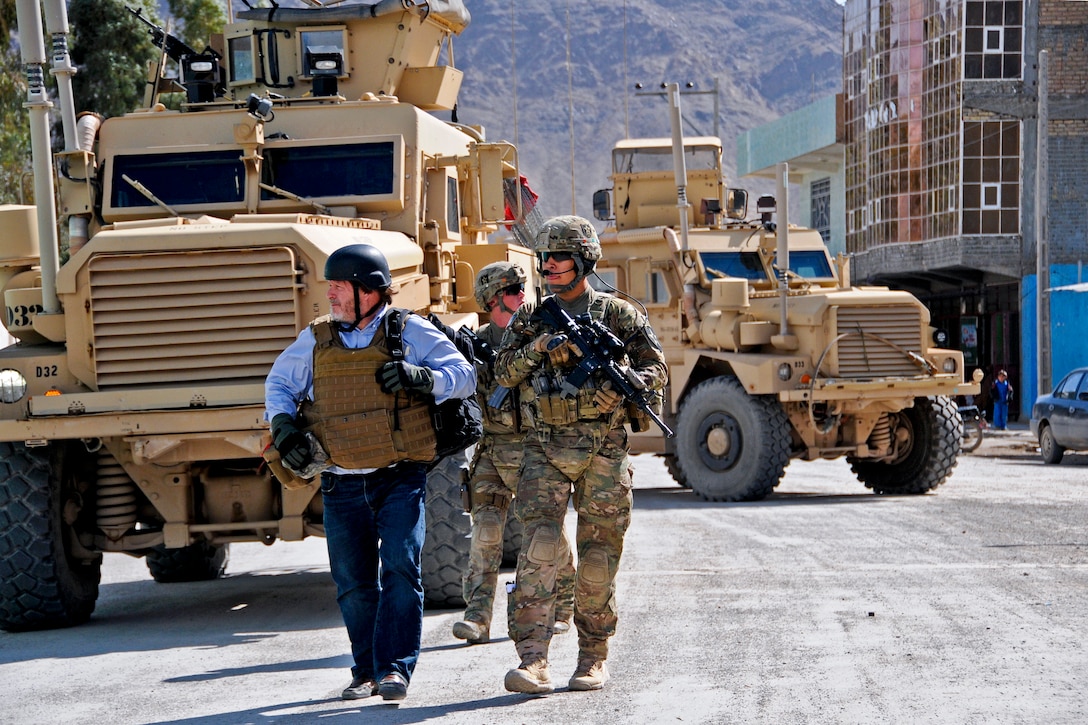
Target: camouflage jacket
{"type": "Point", "coordinates": [517, 365]}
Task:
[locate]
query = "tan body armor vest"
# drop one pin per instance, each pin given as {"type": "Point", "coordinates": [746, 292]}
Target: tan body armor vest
{"type": "Point", "coordinates": [357, 424]}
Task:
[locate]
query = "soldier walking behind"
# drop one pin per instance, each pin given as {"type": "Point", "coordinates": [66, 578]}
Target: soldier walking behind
{"type": "Point", "coordinates": [493, 478]}
{"type": "Point", "coordinates": [341, 372]}
{"type": "Point", "coordinates": [577, 441]}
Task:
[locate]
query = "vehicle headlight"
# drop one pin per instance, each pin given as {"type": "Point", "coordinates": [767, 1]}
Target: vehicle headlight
{"type": "Point", "coordinates": [785, 372]}
{"type": "Point", "coordinates": [949, 365]}
{"type": "Point", "coordinates": [12, 386]}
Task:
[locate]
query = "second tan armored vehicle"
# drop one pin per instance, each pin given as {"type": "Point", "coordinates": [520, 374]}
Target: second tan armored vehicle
{"type": "Point", "coordinates": [770, 362]}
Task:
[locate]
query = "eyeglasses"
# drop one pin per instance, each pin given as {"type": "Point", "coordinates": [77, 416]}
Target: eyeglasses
{"type": "Point", "coordinates": [514, 289]}
{"type": "Point", "coordinates": [557, 256]}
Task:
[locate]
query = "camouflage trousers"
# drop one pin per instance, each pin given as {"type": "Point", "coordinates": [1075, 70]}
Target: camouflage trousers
{"type": "Point", "coordinates": [594, 462]}
{"type": "Point", "coordinates": [493, 482]}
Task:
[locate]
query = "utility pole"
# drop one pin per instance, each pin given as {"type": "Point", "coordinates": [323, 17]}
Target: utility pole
{"type": "Point", "coordinates": [1042, 231]}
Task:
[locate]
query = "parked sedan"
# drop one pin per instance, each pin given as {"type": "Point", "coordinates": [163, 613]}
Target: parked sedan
{"type": "Point", "coordinates": [1060, 420]}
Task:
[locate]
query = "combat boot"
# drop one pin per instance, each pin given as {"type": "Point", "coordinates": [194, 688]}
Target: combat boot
{"type": "Point", "coordinates": [472, 632]}
{"type": "Point", "coordinates": [561, 626]}
{"type": "Point", "coordinates": [531, 677]}
{"type": "Point", "coordinates": [591, 674]}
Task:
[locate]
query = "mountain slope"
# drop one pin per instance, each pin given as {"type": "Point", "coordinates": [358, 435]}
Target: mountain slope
{"type": "Point", "coordinates": [770, 57]}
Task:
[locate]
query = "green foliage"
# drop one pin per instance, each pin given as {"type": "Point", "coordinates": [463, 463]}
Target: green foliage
{"type": "Point", "coordinates": [14, 125]}
{"type": "Point", "coordinates": [112, 50]}
{"type": "Point", "coordinates": [198, 19]}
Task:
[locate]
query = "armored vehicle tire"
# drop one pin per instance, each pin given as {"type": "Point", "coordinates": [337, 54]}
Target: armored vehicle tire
{"type": "Point", "coordinates": [731, 446]}
{"type": "Point", "coordinates": [445, 550]}
{"type": "Point", "coordinates": [1048, 447]}
{"type": "Point", "coordinates": [927, 454]}
{"type": "Point", "coordinates": [194, 563]}
{"type": "Point", "coordinates": [511, 538]}
{"type": "Point", "coordinates": [676, 472]}
{"type": "Point", "coordinates": [43, 585]}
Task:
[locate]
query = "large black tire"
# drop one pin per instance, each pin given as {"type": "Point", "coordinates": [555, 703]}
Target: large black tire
{"type": "Point", "coordinates": [676, 472]}
{"type": "Point", "coordinates": [512, 535]}
{"type": "Point", "coordinates": [1048, 447]}
{"type": "Point", "coordinates": [445, 550]}
{"type": "Point", "coordinates": [43, 585]}
{"type": "Point", "coordinates": [731, 446]}
{"type": "Point", "coordinates": [927, 452]}
{"type": "Point", "coordinates": [197, 562]}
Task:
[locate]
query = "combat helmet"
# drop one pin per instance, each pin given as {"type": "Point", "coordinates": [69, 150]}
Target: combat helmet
{"type": "Point", "coordinates": [572, 234]}
{"type": "Point", "coordinates": [494, 277]}
{"type": "Point", "coordinates": [366, 268]}
{"type": "Point", "coordinates": [360, 264]}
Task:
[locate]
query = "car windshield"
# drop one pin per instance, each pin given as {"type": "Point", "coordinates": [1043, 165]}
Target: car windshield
{"type": "Point", "coordinates": [210, 177]}
{"type": "Point", "coordinates": [810, 264]}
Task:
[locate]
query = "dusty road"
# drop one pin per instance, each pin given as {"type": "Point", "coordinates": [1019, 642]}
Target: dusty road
{"type": "Point", "coordinates": [822, 604]}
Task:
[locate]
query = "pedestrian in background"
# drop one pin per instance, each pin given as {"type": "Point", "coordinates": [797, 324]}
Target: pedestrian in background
{"type": "Point", "coordinates": [336, 379]}
{"type": "Point", "coordinates": [577, 442]}
{"type": "Point", "coordinates": [493, 475]}
{"type": "Point", "coordinates": [1001, 394]}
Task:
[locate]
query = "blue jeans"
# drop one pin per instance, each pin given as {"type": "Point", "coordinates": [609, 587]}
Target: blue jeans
{"type": "Point", "coordinates": [1001, 414]}
{"type": "Point", "coordinates": [369, 518]}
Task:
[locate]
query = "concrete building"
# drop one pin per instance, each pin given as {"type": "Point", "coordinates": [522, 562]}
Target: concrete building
{"type": "Point", "coordinates": [940, 117]}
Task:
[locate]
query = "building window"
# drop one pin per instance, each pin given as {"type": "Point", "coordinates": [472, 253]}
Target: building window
{"type": "Point", "coordinates": [993, 35]}
{"type": "Point", "coordinates": [821, 208]}
{"type": "Point", "coordinates": [991, 177]}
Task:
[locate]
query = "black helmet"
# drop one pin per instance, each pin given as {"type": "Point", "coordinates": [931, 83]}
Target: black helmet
{"type": "Point", "coordinates": [363, 264]}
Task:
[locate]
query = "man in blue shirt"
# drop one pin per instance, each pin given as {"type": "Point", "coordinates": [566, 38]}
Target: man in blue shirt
{"type": "Point", "coordinates": [369, 413]}
{"type": "Point", "coordinates": [1001, 392]}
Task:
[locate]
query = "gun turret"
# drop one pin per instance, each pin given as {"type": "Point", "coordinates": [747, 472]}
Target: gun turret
{"type": "Point", "coordinates": [172, 45]}
{"type": "Point", "coordinates": [599, 348]}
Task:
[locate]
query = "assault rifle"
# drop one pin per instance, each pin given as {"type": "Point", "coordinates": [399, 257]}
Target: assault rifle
{"type": "Point", "coordinates": [599, 348]}
{"type": "Point", "coordinates": [173, 46]}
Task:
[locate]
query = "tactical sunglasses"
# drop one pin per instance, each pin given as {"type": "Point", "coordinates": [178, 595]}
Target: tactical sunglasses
{"type": "Point", "coordinates": [514, 289]}
{"type": "Point", "coordinates": [557, 256]}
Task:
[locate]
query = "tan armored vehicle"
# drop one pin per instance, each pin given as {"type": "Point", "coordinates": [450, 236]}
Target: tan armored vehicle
{"type": "Point", "coordinates": [132, 406]}
{"type": "Point", "coordinates": [770, 360]}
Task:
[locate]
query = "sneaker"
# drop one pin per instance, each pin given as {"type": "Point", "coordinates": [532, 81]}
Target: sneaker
{"type": "Point", "coordinates": [472, 632]}
{"type": "Point", "coordinates": [531, 678]}
{"type": "Point", "coordinates": [590, 675]}
{"type": "Point", "coordinates": [393, 687]}
{"type": "Point", "coordinates": [360, 689]}
{"type": "Point", "coordinates": [561, 626]}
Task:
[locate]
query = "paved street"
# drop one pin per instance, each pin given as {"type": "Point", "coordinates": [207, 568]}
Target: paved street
{"type": "Point", "coordinates": [822, 604]}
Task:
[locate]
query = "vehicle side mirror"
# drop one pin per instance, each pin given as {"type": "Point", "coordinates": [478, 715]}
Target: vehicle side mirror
{"type": "Point", "coordinates": [602, 205]}
{"type": "Point", "coordinates": [736, 202]}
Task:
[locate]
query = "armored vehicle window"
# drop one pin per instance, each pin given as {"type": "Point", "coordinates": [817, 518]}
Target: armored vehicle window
{"type": "Point", "coordinates": [323, 41]}
{"type": "Point", "coordinates": [453, 213]}
{"type": "Point", "coordinates": [635, 161]}
{"type": "Point", "coordinates": [210, 177]}
{"type": "Point", "coordinates": [363, 169]}
{"type": "Point", "coordinates": [810, 264]}
{"type": "Point", "coordinates": [241, 59]}
{"type": "Point", "coordinates": [745, 265]}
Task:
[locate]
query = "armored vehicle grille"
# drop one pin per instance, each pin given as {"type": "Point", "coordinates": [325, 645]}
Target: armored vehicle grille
{"type": "Point", "coordinates": [865, 356]}
{"type": "Point", "coordinates": [178, 317]}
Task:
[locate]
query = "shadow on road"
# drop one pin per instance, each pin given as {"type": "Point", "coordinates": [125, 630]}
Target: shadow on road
{"type": "Point", "coordinates": [145, 616]}
{"type": "Point", "coordinates": [683, 498]}
{"type": "Point", "coordinates": [371, 710]}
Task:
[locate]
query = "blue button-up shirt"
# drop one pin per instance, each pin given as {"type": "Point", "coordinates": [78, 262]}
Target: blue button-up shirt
{"type": "Point", "coordinates": [291, 379]}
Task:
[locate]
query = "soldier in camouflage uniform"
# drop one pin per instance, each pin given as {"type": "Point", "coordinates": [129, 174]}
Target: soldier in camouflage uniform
{"type": "Point", "coordinates": [575, 441]}
{"type": "Point", "coordinates": [493, 478]}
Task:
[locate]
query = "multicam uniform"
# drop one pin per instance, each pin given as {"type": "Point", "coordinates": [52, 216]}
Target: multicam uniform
{"type": "Point", "coordinates": [570, 442]}
{"type": "Point", "coordinates": [493, 482]}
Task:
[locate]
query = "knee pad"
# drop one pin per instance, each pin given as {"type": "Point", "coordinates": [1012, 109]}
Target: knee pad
{"type": "Point", "coordinates": [544, 546]}
{"type": "Point", "coordinates": [593, 567]}
{"type": "Point", "coordinates": [487, 526]}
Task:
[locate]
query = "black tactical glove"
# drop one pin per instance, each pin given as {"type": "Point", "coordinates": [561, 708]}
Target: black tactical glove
{"type": "Point", "coordinates": [291, 442]}
{"type": "Point", "coordinates": [400, 375]}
